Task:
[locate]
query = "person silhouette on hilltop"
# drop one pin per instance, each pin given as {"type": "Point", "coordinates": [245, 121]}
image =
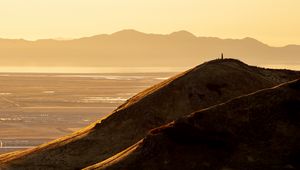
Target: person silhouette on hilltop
{"type": "Point", "coordinates": [222, 56]}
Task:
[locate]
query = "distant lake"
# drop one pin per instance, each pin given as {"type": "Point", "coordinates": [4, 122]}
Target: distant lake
{"type": "Point", "coordinates": [91, 69]}
{"type": "Point", "coordinates": [114, 69]}
{"type": "Point", "coordinates": [279, 66]}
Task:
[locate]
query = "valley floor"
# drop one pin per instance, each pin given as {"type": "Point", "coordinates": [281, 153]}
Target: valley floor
{"type": "Point", "coordinates": [37, 108]}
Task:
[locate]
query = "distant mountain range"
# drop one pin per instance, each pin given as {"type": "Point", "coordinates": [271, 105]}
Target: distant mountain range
{"type": "Point", "coordinates": [202, 141]}
{"type": "Point", "coordinates": [133, 48]}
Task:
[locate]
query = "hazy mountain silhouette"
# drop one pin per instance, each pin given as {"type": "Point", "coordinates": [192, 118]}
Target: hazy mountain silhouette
{"type": "Point", "coordinates": [133, 48]}
{"type": "Point", "coordinates": [257, 131]}
{"type": "Point", "coordinates": [208, 84]}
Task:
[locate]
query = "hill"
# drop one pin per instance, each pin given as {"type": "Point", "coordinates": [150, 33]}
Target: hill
{"type": "Point", "coordinates": [133, 48]}
{"type": "Point", "coordinates": [257, 131]}
{"type": "Point", "coordinates": [206, 85]}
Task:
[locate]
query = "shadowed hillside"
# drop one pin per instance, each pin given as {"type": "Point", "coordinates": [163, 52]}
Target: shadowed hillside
{"type": "Point", "coordinates": [208, 84]}
{"type": "Point", "coordinates": [133, 48]}
{"type": "Point", "coordinates": [257, 131]}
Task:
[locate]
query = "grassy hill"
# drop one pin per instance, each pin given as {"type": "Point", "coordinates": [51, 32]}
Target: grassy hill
{"type": "Point", "coordinates": [256, 131]}
{"type": "Point", "coordinates": [206, 85]}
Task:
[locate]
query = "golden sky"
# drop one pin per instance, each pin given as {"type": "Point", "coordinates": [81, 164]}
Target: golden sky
{"type": "Point", "coordinates": [275, 22]}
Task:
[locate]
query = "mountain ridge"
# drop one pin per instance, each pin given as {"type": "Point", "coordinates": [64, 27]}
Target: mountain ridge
{"type": "Point", "coordinates": [136, 49]}
{"type": "Point", "coordinates": [133, 31]}
{"type": "Point", "coordinates": [182, 33]}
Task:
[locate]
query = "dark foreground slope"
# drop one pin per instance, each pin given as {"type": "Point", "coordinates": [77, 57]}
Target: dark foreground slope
{"type": "Point", "coordinates": [256, 131]}
{"type": "Point", "coordinates": [203, 86]}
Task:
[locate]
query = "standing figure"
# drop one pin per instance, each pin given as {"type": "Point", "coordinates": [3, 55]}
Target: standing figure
{"type": "Point", "coordinates": [222, 56]}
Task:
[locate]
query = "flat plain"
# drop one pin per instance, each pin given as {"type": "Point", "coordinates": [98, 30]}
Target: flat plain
{"type": "Point", "coordinates": [36, 108]}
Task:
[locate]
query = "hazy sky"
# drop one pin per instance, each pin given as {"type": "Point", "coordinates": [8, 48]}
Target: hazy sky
{"type": "Point", "coordinates": [275, 22]}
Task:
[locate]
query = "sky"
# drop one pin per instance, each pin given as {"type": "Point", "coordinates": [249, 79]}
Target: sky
{"type": "Point", "coordinates": [274, 22]}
